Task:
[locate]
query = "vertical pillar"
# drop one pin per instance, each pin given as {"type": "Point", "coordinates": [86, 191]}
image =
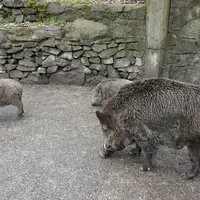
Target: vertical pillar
{"type": "Point", "coordinates": [156, 34]}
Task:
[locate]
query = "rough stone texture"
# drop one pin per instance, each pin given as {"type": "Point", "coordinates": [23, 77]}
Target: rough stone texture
{"type": "Point", "coordinates": [49, 61]}
{"type": "Point", "coordinates": [83, 29]}
{"type": "Point", "coordinates": [27, 63]}
{"type": "Point", "coordinates": [138, 62]}
{"type": "Point", "coordinates": [25, 69]}
{"type": "Point", "coordinates": [14, 3]}
{"type": "Point", "coordinates": [122, 62]}
{"type": "Point", "coordinates": [182, 55]}
{"type": "Point", "coordinates": [108, 61]}
{"type": "Point", "coordinates": [85, 61]}
{"type": "Point", "coordinates": [61, 62]}
{"type": "Point", "coordinates": [67, 55]}
{"type": "Point", "coordinates": [83, 50]}
{"type": "Point", "coordinates": [2, 69]}
{"type": "Point", "coordinates": [99, 47]}
{"type": "Point", "coordinates": [112, 73]}
{"type": "Point", "coordinates": [98, 67]}
{"type": "Point", "coordinates": [77, 48]}
{"type": "Point", "coordinates": [72, 77]}
{"type": "Point", "coordinates": [78, 54]}
{"type": "Point", "coordinates": [84, 70]}
{"type": "Point", "coordinates": [95, 60]}
{"type": "Point", "coordinates": [120, 54]}
{"type": "Point", "coordinates": [16, 74]}
{"type": "Point", "coordinates": [19, 19]}
{"type": "Point", "coordinates": [76, 63]}
{"type": "Point", "coordinates": [51, 50]}
{"type": "Point", "coordinates": [90, 54]}
{"type": "Point", "coordinates": [52, 69]}
{"type": "Point", "coordinates": [41, 70]}
{"type": "Point", "coordinates": [56, 8]}
{"type": "Point", "coordinates": [35, 78]}
{"type": "Point", "coordinates": [10, 67]}
{"type": "Point", "coordinates": [4, 75]}
{"type": "Point", "coordinates": [108, 53]}
{"type": "Point", "coordinates": [34, 33]}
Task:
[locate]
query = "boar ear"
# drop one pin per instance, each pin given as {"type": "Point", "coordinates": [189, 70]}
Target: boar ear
{"type": "Point", "coordinates": [102, 118]}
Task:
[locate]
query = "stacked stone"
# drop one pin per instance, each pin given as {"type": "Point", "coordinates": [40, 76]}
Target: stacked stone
{"type": "Point", "coordinates": [58, 62]}
{"type": "Point", "coordinates": [99, 61]}
{"type": "Point", "coordinates": [20, 11]}
{"type": "Point", "coordinates": [12, 10]}
{"type": "Point", "coordinates": [182, 55]}
{"type": "Point", "coordinates": [79, 52]}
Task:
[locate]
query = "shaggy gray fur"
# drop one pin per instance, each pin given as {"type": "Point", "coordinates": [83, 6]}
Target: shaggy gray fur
{"type": "Point", "coordinates": [154, 112]}
{"type": "Point", "coordinates": [11, 94]}
{"type": "Point", "coordinates": [106, 89]}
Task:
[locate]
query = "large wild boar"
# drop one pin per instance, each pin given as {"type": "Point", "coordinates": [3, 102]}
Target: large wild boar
{"type": "Point", "coordinates": [11, 94]}
{"type": "Point", "coordinates": [154, 112]}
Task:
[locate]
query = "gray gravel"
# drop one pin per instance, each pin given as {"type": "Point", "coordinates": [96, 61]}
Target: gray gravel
{"type": "Point", "coordinates": [52, 153]}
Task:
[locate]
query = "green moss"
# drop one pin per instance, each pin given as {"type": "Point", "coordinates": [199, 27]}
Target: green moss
{"type": "Point", "coordinates": [197, 44]}
{"type": "Point", "coordinates": [54, 20]}
{"type": "Point", "coordinates": [4, 22]}
{"type": "Point", "coordinates": [40, 16]}
{"type": "Point", "coordinates": [34, 5]}
{"type": "Point", "coordinates": [85, 6]}
{"type": "Point", "coordinates": [193, 4]}
{"type": "Point", "coordinates": [108, 14]}
{"type": "Point", "coordinates": [146, 9]}
{"type": "Point", "coordinates": [42, 13]}
{"type": "Point", "coordinates": [28, 8]}
{"type": "Point", "coordinates": [5, 15]}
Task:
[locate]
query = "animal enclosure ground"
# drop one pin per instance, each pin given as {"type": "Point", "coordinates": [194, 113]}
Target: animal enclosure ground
{"type": "Point", "coordinates": [52, 153]}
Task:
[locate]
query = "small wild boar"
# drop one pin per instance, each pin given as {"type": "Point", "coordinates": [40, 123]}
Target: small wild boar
{"type": "Point", "coordinates": [11, 94]}
{"type": "Point", "coordinates": [153, 112]}
{"type": "Point", "coordinates": [106, 89]}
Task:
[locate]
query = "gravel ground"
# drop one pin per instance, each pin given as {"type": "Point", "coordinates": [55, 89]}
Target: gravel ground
{"type": "Point", "coordinates": [52, 154]}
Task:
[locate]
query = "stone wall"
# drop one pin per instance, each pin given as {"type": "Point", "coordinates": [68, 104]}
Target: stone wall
{"type": "Point", "coordinates": [95, 42]}
{"type": "Point", "coordinates": [19, 11]}
{"type": "Point", "coordinates": [80, 44]}
{"type": "Point", "coordinates": [182, 58]}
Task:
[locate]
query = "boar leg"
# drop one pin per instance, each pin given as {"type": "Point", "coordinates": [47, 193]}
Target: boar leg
{"type": "Point", "coordinates": [19, 105]}
{"type": "Point", "coordinates": [194, 150]}
{"type": "Point", "coordinates": [136, 151]}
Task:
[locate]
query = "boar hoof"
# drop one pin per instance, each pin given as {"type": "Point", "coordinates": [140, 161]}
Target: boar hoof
{"type": "Point", "coordinates": [144, 168]}
{"type": "Point", "coordinates": [104, 153]}
{"type": "Point", "coordinates": [188, 175]}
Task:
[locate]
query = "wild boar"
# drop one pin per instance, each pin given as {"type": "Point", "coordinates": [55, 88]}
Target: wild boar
{"type": "Point", "coordinates": [106, 89]}
{"type": "Point", "coordinates": [154, 112]}
{"type": "Point", "coordinates": [11, 94]}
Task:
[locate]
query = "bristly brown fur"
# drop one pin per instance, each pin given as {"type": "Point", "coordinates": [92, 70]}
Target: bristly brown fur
{"type": "Point", "coordinates": [153, 112]}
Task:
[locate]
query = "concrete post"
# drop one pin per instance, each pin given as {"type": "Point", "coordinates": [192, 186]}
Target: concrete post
{"type": "Point", "coordinates": [157, 26]}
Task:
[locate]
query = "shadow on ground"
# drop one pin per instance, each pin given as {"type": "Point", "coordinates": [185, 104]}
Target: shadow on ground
{"type": "Point", "coordinates": [52, 153]}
